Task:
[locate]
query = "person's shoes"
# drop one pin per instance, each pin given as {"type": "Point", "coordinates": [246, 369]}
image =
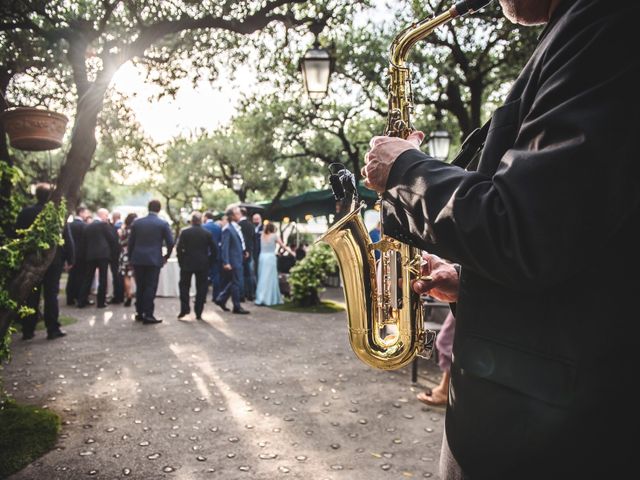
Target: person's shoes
{"type": "Point", "coordinates": [199, 317]}
{"type": "Point", "coordinates": [243, 299]}
{"type": "Point", "coordinates": [27, 336]}
{"type": "Point", "coordinates": [101, 305]}
{"type": "Point", "coordinates": [90, 302]}
{"type": "Point", "coordinates": [221, 305]}
{"type": "Point", "coordinates": [127, 302]}
{"type": "Point", "coordinates": [54, 335]}
{"type": "Point", "coordinates": [240, 310]}
{"type": "Point", "coordinates": [150, 320]}
{"type": "Point", "coordinates": [71, 303]}
{"type": "Point", "coordinates": [81, 305]}
{"type": "Point", "coordinates": [139, 317]}
{"type": "Point", "coordinates": [114, 301]}
{"type": "Point", "coordinates": [181, 315]}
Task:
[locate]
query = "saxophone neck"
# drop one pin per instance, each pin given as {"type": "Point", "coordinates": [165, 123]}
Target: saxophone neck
{"type": "Point", "coordinates": [411, 35]}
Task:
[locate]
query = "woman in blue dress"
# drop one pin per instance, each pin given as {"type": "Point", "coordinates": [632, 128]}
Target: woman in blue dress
{"type": "Point", "coordinates": [268, 287]}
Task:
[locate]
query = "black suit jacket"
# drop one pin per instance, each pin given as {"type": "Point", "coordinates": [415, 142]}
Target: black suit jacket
{"type": "Point", "coordinates": [76, 228]}
{"type": "Point", "coordinates": [196, 249]}
{"type": "Point", "coordinates": [248, 234]}
{"type": "Point", "coordinates": [100, 242]}
{"type": "Point", "coordinates": [546, 230]}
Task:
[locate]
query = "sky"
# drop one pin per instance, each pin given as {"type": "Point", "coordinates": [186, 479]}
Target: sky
{"type": "Point", "coordinates": [204, 107]}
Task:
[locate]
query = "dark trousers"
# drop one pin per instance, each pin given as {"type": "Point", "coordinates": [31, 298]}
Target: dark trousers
{"type": "Point", "coordinates": [146, 287]}
{"type": "Point", "coordinates": [201, 291]}
{"type": "Point", "coordinates": [232, 289]}
{"type": "Point", "coordinates": [118, 281]}
{"type": "Point", "coordinates": [75, 280]}
{"type": "Point", "coordinates": [248, 287]}
{"type": "Point", "coordinates": [50, 287]}
{"type": "Point", "coordinates": [103, 267]}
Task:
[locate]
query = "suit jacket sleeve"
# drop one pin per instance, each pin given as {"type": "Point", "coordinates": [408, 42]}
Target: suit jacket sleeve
{"type": "Point", "coordinates": [168, 239]}
{"type": "Point", "coordinates": [131, 244]}
{"type": "Point", "coordinates": [226, 238]}
{"type": "Point", "coordinates": [69, 246]}
{"type": "Point", "coordinates": [213, 251]}
{"type": "Point", "coordinates": [565, 187]}
{"type": "Point", "coordinates": [180, 248]}
{"type": "Point", "coordinates": [112, 239]}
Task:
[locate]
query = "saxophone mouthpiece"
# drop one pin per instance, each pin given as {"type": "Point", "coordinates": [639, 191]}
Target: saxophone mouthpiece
{"type": "Point", "coordinates": [470, 6]}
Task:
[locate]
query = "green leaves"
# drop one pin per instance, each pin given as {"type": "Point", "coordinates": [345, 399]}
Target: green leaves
{"type": "Point", "coordinates": [307, 275]}
{"type": "Point", "coordinates": [44, 233]}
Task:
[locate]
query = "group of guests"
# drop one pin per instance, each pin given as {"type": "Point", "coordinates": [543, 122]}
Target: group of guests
{"type": "Point", "coordinates": [133, 250]}
{"type": "Point", "coordinates": [238, 259]}
{"type": "Point", "coordinates": [235, 255]}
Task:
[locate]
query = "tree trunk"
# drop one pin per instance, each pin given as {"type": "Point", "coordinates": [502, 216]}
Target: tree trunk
{"type": "Point", "coordinates": [30, 274]}
{"type": "Point", "coordinates": [83, 146]}
{"type": "Point", "coordinates": [5, 184]}
{"type": "Point", "coordinates": [72, 173]}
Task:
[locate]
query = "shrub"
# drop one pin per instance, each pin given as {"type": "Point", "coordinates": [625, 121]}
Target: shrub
{"type": "Point", "coordinates": [307, 275]}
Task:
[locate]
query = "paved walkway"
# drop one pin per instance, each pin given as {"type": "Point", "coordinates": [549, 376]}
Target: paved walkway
{"type": "Point", "coordinates": [271, 395]}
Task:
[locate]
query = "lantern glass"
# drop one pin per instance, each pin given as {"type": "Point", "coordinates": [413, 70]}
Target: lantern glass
{"type": "Point", "coordinates": [438, 144]}
{"type": "Point", "coordinates": [196, 203]}
{"type": "Point", "coordinates": [237, 182]}
{"type": "Point", "coordinates": [316, 70]}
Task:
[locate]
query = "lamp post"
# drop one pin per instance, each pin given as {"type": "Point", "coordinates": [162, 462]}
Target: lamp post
{"type": "Point", "coordinates": [438, 144]}
{"type": "Point", "coordinates": [196, 203]}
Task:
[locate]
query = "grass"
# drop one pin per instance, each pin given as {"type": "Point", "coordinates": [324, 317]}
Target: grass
{"type": "Point", "coordinates": [27, 433]}
{"type": "Point", "coordinates": [325, 306]}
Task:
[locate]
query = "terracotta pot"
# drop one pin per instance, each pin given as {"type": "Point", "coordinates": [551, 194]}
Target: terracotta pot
{"type": "Point", "coordinates": [34, 129]}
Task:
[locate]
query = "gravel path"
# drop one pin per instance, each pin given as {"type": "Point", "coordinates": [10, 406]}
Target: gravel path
{"type": "Point", "coordinates": [271, 395]}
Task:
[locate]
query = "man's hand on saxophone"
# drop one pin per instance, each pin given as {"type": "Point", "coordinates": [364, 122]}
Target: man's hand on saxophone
{"type": "Point", "coordinates": [438, 278]}
{"type": "Point", "coordinates": [383, 152]}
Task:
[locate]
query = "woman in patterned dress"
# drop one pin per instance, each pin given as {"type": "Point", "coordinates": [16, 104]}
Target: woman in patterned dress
{"type": "Point", "coordinates": [125, 268]}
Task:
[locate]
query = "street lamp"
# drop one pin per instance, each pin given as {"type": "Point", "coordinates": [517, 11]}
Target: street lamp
{"type": "Point", "coordinates": [438, 144]}
{"type": "Point", "coordinates": [196, 203]}
{"type": "Point", "coordinates": [237, 182]}
{"type": "Point", "coordinates": [316, 67]}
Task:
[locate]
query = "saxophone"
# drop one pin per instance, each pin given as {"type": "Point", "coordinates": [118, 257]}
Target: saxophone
{"type": "Point", "coordinates": [386, 325]}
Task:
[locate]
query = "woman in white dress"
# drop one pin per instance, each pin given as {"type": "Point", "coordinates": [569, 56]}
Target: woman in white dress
{"type": "Point", "coordinates": [268, 287]}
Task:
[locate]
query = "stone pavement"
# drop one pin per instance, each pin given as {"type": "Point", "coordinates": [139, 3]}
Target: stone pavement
{"type": "Point", "coordinates": [271, 395]}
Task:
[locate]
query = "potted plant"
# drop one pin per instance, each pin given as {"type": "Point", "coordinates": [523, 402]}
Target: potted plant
{"type": "Point", "coordinates": [34, 129]}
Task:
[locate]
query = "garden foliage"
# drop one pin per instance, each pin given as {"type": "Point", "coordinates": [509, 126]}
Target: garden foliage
{"type": "Point", "coordinates": [306, 276]}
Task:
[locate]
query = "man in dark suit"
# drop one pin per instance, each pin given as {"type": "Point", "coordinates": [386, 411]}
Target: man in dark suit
{"type": "Point", "coordinates": [196, 253]}
{"type": "Point", "coordinates": [232, 253]}
{"type": "Point", "coordinates": [99, 247]}
{"type": "Point", "coordinates": [248, 288]}
{"type": "Point", "coordinates": [148, 234]}
{"type": "Point", "coordinates": [77, 273]}
{"type": "Point", "coordinates": [545, 228]}
{"type": "Point", "coordinates": [256, 219]}
{"type": "Point", "coordinates": [50, 284]}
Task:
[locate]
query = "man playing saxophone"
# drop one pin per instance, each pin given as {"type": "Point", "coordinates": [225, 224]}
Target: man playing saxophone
{"type": "Point", "coordinates": [546, 232]}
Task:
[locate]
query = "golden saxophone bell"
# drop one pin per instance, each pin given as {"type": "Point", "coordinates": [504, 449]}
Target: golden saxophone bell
{"type": "Point", "coordinates": [386, 325]}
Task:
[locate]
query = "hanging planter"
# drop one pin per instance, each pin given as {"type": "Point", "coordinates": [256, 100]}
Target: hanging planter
{"type": "Point", "coordinates": [34, 129]}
